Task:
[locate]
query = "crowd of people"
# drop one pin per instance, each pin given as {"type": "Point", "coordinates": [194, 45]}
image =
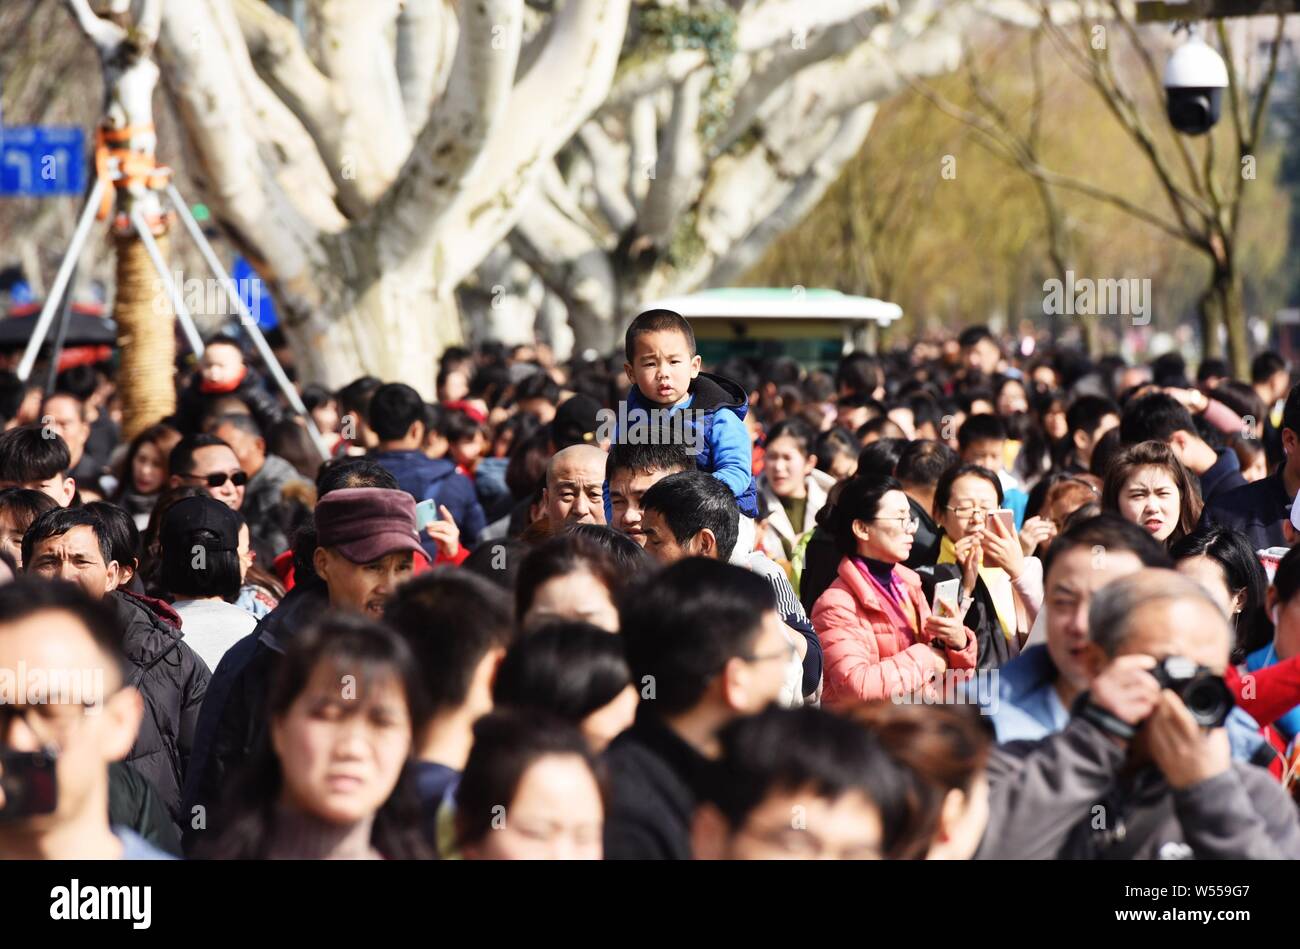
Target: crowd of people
{"type": "Point", "coordinates": [949, 602]}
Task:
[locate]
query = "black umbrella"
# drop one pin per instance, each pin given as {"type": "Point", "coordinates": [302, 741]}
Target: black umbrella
{"type": "Point", "coordinates": [85, 327]}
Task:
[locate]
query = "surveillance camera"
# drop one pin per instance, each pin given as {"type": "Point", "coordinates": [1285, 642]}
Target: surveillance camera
{"type": "Point", "coordinates": [1195, 78]}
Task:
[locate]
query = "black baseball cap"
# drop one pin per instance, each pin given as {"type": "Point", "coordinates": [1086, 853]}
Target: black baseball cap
{"type": "Point", "coordinates": [576, 422]}
{"type": "Point", "coordinates": [189, 515]}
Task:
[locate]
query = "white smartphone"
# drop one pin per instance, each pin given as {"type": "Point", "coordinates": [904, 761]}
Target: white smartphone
{"type": "Point", "coordinates": [426, 512]}
{"type": "Point", "coordinates": [946, 593]}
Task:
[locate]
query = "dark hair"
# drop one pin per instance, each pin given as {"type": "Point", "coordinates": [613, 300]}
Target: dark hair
{"type": "Point", "coordinates": [795, 428]}
{"type": "Point", "coordinates": [566, 669]}
{"type": "Point", "coordinates": [831, 444]}
{"type": "Point", "coordinates": [538, 385]}
{"type": "Point", "coordinates": [657, 321]}
{"type": "Point", "coordinates": [123, 535]}
{"type": "Point", "coordinates": [1154, 417]}
{"type": "Point", "coordinates": [181, 460]}
{"type": "Point", "coordinates": [150, 571]}
{"type": "Point", "coordinates": [979, 428]}
{"type": "Point", "coordinates": [158, 436]}
{"type": "Point", "coordinates": [24, 505]}
{"type": "Point", "coordinates": [1290, 411]}
{"type": "Point", "coordinates": [880, 458]}
{"type": "Point", "coordinates": [348, 472]}
{"type": "Point", "coordinates": [629, 557]}
{"type": "Point", "coordinates": [939, 748]}
{"type": "Point", "coordinates": [314, 395]}
{"type": "Point", "coordinates": [498, 561]}
{"type": "Point", "coordinates": [1235, 555]}
{"type": "Point", "coordinates": [393, 409]}
{"type": "Point", "coordinates": [57, 522]}
{"type": "Point", "coordinates": [684, 624]}
{"type": "Point", "coordinates": [1104, 453]}
{"type": "Point", "coordinates": [560, 556]}
{"type": "Point", "coordinates": [26, 596]}
{"type": "Point", "coordinates": [1246, 450]}
{"type": "Point", "coordinates": [1111, 533]}
{"type": "Point", "coordinates": [882, 426]}
{"type": "Point", "coordinates": [355, 396]}
{"type": "Point", "coordinates": [506, 744]}
{"type": "Point", "coordinates": [1212, 366]}
{"type": "Point", "coordinates": [858, 500]}
{"type": "Point", "coordinates": [1157, 455]}
{"type": "Point", "coordinates": [924, 461]}
{"type": "Point", "coordinates": [451, 619]}
{"type": "Point", "coordinates": [803, 751]}
{"type": "Point", "coordinates": [13, 391]}
{"type": "Point", "coordinates": [644, 459]}
{"type": "Point", "coordinates": [292, 442]}
{"type": "Point", "coordinates": [691, 501]}
{"type": "Point", "coordinates": [943, 489]}
{"type": "Point", "coordinates": [858, 373]}
{"type": "Point", "coordinates": [973, 335]}
{"type": "Point", "coordinates": [457, 425]}
{"type": "Point", "coordinates": [1086, 412]}
{"type": "Point", "coordinates": [219, 574]}
{"type": "Point", "coordinates": [26, 455]}
{"type": "Point", "coordinates": [1266, 365]}
{"type": "Point", "coordinates": [369, 652]}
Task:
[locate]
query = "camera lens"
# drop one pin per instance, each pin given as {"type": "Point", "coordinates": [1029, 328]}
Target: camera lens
{"type": "Point", "coordinates": [1208, 699]}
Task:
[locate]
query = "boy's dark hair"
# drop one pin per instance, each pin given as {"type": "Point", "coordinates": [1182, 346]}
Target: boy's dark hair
{"type": "Point", "coordinates": [451, 619]}
{"type": "Point", "coordinates": [1086, 412]}
{"type": "Point", "coordinates": [25, 596]}
{"type": "Point", "coordinates": [685, 624]}
{"type": "Point", "coordinates": [27, 455]}
{"type": "Point", "coordinates": [58, 522]}
{"type": "Point", "coordinates": [643, 459]}
{"type": "Point", "coordinates": [1266, 365]}
{"type": "Point", "coordinates": [981, 428]}
{"type": "Point", "coordinates": [924, 410]}
{"type": "Point", "coordinates": [539, 385]}
{"type": "Point", "coordinates": [24, 505]}
{"type": "Point", "coordinates": [973, 335]}
{"type": "Point", "coordinates": [79, 382]}
{"type": "Point", "coordinates": [567, 669]}
{"type": "Point", "coordinates": [457, 425]}
{"type": "Point", "coordinates": [123, 535]}
{"type": "Point", "coordinates": [691, 501]}
{"type": "Point", "coordinates": [801, 750]}
{"type": "Point", "coordinates": [394, 408]}
{"type": "Point", "coordinates": [657, 321]}
{"type": "Point", "coordinates": [880, 458]}
{"type": "Point", "coordinates": [181, 460]}
{"type": "Point", "coordinates": [924, 461]}
{"type": "Point", "coordinates": [1111, 533]}
{"type": "Point", "coordinates": [225, 339]}
{"type": "Point", "coordinates": [315, 395]}
{"type": "Point", "coordinates": [1154, 418]}
{"type": "Point", "coordinates": [858, 374]}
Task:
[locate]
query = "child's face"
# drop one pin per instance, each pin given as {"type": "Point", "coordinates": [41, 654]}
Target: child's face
{"type": "Point", "coordinates": [986, 452]}
{"type": "Point", "coordinates": [467, 450]}
{"type": "Point", "coordinates": [221, 364]}
{"type": "Point", "coordinates": [662, 367]}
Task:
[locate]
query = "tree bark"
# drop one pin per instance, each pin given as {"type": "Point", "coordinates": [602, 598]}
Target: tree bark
{"type": "Point", "coordinates": [146, 337]}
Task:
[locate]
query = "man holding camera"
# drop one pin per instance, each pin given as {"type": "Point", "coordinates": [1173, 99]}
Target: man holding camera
{"type": "Point", "coordinates": [1143, 769]}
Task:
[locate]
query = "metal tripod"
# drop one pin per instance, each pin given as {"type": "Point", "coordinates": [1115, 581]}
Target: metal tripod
{"type": "Point", "coordinates": [142, 230]}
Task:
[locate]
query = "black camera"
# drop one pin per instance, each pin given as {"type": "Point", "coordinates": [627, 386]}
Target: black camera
{"type": "Point", "coordinates": [27, 780]}
{"type": "Point", "coordinates": [1205, 694]}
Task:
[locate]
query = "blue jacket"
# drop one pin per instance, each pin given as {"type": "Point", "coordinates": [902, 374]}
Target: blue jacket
{"type": "Point", "coordinates": [1027, 708]}
{"type": "Point", "coordinates": [717, 421]}
{"type": "Point", "coordinates": [425, 478]}
{"type": "Point", "coordinates": [1223, 476]}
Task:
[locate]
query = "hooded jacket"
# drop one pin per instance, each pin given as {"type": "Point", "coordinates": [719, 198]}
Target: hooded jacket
{"type": "Point", "coordinates": [173, 681]}
{"type": "Point", "coordinates": [718, 407]}
{"type": "Point", "coordinates": [1065, 797]}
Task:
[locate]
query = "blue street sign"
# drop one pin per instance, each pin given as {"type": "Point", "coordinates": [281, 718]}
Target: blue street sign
{"type": "Point", "coordinates": [40, 161]}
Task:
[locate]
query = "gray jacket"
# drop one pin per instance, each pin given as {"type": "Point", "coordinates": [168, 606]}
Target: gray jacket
{"type": "Point", "coordinates": [1062, 798]}
{"type": "Point", "coordinates": [261, 498]}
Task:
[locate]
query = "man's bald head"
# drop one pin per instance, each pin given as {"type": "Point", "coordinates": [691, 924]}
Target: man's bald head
{"type": "Point", "coordinates": [1160, 613]}
{"type": "Point", "coordinates": [574, 480]}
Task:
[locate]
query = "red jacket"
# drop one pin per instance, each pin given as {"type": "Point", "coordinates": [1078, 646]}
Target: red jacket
{"type": "Point", "coordinates": [1268, 694]}
{"type": "Point", "coordinates": [866, 655]}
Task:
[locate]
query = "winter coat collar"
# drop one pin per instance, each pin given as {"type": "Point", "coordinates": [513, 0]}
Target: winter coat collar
{"type": "Point", "coordinates": [819, 484]}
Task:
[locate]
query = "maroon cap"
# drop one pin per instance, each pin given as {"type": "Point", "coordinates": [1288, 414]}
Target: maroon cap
{"type": "Point", "coordinates": [364, 524]}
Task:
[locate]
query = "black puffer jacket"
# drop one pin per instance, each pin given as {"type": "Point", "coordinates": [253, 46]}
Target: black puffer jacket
{"type": "Point", "coordinates": [173, 681]}
{"type": "Point", "coordinates": [194, 403]}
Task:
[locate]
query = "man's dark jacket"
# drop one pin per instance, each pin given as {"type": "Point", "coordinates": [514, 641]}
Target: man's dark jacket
{"type": "Point", "coordinates": [173, 680]}
{"type": "Point", "coordinates": [134, 804]}
{"type": "Point", "coordinates": [194, 403]}
{"type": "Point", "coordinates": [233, 719]}
{"type": "Point", "coordinates": [425, 478]}
{"type": "Point", "coordinates": [1257, 510]}
{"type": "Point", "coordinates": [1222, 477]}
{"type": "Point", "coordinates": [261, 507]}
{"type": "Point", "coordinates": [655, 779]}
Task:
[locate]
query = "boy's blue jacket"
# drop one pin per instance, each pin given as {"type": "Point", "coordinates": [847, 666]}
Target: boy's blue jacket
{"type": "Point", "coordinates": [718, 407]}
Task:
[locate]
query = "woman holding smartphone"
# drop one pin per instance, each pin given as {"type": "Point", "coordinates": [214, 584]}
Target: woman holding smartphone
{"type": "Point", "coordinates": [879, 638]}
{"type": "Point", "coordinates": [1001, 589]}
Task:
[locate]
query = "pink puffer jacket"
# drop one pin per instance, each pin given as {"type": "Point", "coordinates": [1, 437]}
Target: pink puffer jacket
{"type": "Point", "coordinates": [866, 655]}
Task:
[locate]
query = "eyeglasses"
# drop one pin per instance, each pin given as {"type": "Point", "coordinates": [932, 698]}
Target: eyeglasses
{"type": "Point", "coordinates": [51, 724]}
{"type": "Point", "coordinates": [968, 510]}
{"type": "Point", "coordinates": [908, 522]}
{"type": "Point", "coordinates": [218, 478]}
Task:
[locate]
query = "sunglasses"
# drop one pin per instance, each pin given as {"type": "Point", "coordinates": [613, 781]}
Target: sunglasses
{"type": "Point", "coordinates": [218, 478]}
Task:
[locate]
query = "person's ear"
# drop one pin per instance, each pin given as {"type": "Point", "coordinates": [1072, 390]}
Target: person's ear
{"type": "Point", "coordinates": [1081, 440]}
{"type": "Point", "coordinates": [1094, 660]}
{"type": "Point", "coordinates": [812, 461]}
{"type": "Point", "coordinates": [320, 560]}
{"type": "Point", "coordinates": [122, 714]}
{"type": "Point", "coordinates": [69, 489]}
{"type": "Point", "coordinates": [416, 431]}
{"type": "Point", "coordinates": [1178, 442]}
{"type": "Point", "coordinates": [705, 544]}
{"type": "Point", "coordinates": [695, 365]}
{"type": "Point", "coordinates": [485, 673]}
{"type": "Point", "coordinates": [627, 371]}
{"type": "Point", "coordinates": [1239, 600]}
{"type": "Point", "coordinates": [709, 833]}
{"type": "Point", "coordinates": [954, 805]}
{"type": "Point", "coordinates": [114, 574]}
{"type": "Point", "coordinates": [860, 530]}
